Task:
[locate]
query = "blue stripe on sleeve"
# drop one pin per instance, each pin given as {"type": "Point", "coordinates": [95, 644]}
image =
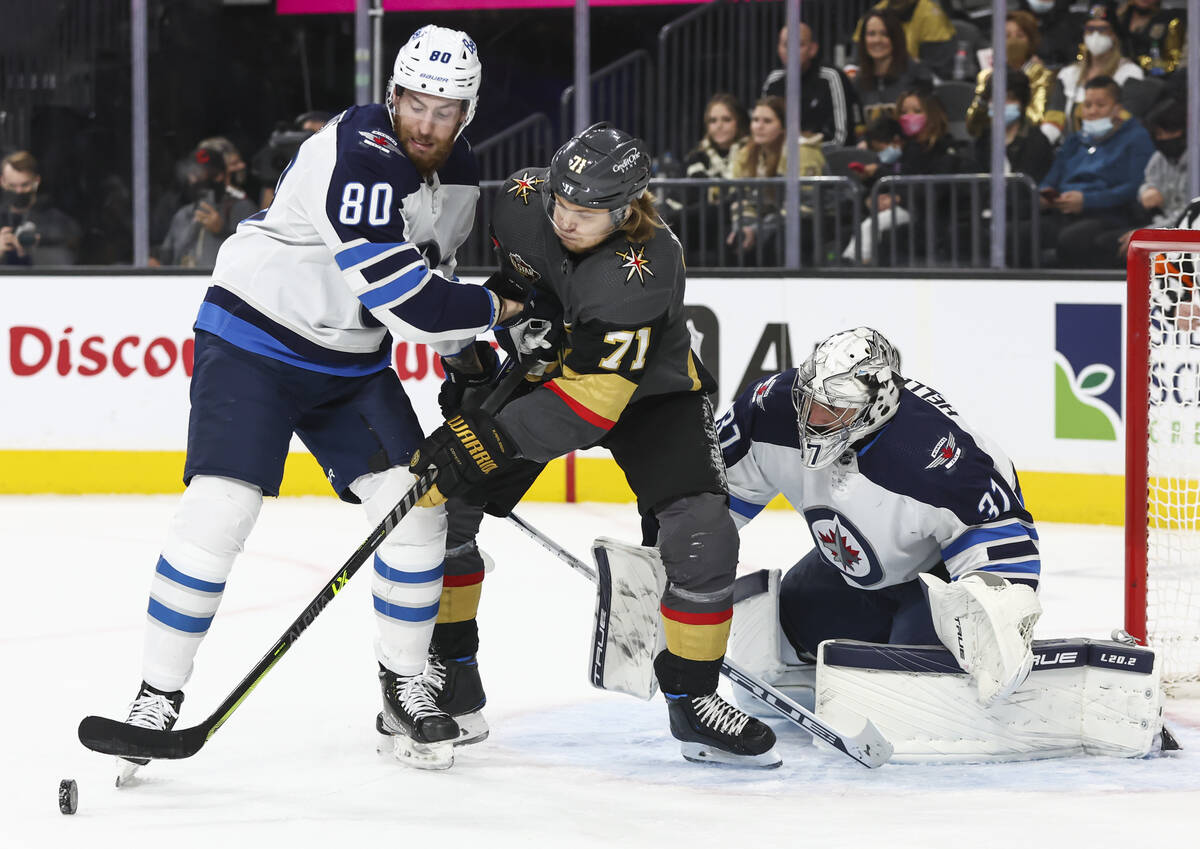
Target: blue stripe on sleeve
{"type": "Point", "coordinates": [975, 536]}
{"type": "Point", "coordinates": [1033, 567]}
{"type": "Point", "coordinates": [180, 621]}
{"type": "Point", "coordinates": [745, 508]}
{"type": "Point", "coordinates": [168, 571]}
{"type": "Point", "coordinates": [397, 576]}
{"type": "Point", "coordinates": [395, 290]}
{"type": "Point", "coordinates": [377, 272]}
{"type": "Point", "coordinates": [361, 253]}
{"type": "Point", "coordinates": [405, 614]}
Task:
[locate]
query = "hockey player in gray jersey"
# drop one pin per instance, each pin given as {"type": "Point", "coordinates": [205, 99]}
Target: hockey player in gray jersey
{"type": "Point", "coordinates": [919, 530]}
{"type": "Point", "coordinates": [294, 336]}
{"type": "Point", "coordinates": [583, 240]}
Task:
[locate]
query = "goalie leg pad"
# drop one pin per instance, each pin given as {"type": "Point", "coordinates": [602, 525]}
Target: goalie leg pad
{"type": "Point", "coordinates": [1083, 697]}
{"type": "Point", "coordinates": [625, 637]}
{"type": "Point", "coordinates": [757, 644]}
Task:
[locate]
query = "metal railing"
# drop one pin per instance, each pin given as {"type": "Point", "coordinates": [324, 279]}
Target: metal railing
{"type": "Point", "coordinates": [709, 215]}
{"type": "Point", "coordinates": [621, 92]}
{"type": "Point", "coordinates": [530, 141]}
{"type": "Point", "coordinates": [730, 45]}
{"type": "Point", "coordinates": [949, 221]}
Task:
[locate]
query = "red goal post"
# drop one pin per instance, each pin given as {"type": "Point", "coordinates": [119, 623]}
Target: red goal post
{"type": "Point", "coordinates": [1162, 448]}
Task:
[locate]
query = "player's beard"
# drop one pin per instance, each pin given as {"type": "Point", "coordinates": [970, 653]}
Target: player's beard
{"type": "Point", "coordinates": [427, 159]}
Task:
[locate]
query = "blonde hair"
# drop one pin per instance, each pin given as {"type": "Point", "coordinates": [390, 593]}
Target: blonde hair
{"type": "Point", "coordinates": [21, 160]}
{"type": "Point", "coordinates": [643, 219]}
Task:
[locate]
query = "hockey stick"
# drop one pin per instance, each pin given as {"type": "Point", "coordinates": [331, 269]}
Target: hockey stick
{"type": "Point", "coordinates": [110, 737]}
{"type": "Point", "coordinates": [869, 747]}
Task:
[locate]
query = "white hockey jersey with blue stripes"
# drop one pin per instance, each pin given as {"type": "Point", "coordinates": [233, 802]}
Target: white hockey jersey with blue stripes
{"type": "Point", "coordinates": [356, 245]}
{"type": "Point", "coordinates": [925, 489]}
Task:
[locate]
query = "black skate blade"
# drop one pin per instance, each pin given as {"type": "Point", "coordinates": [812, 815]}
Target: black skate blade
{"type": "Point", "coordinates": [109, 737]}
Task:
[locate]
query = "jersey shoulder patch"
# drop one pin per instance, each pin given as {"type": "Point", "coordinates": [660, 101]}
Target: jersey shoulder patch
{"type": "Point", "coordinates": [523, 187]}
{"type": "Point", "coordinates": [764, 413]}
{"type": "Point", "coordinates": [631, 282]}
{"type": "Point", "coordinates": [367, 149]}
{"type": "Point", "coordinates": [927, 454]}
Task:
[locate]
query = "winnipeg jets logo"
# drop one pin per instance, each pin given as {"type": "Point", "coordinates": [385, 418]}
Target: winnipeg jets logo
{"type": "Point", "coordinates": [380, 141]}
{"type": "Point", "coordinates": [636, 262]}
{"type": "Point", "coordinates": [763, 390]}
{"type": "Point", "coordinates": [843, 546]}
{"type": "Point", "coordinates": [524, 185]}
{"type": "Point", "coordinates": [946, 452]}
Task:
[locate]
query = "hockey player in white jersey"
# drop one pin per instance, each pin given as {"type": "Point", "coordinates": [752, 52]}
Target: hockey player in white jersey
{"type": "Point", "coordinates": [295, 336]}
{"type": "Point", "coordinates": [919, 529]}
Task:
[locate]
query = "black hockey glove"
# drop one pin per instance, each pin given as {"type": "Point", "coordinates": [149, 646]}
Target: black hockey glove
{"type": "Point", "coordinates": [462, 386]}
{"type": "Point", "coordinates": [506, 287]}
{"type": "Point", "coordinates": [466, 450]}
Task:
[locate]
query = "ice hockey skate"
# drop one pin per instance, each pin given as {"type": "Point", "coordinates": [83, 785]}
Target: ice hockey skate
{"type": "Point", "coordinates": [710, 730]}
{"type": "Point", "coordinates": [458, 691]}
{"type": "Point", "coordinates": [411, 726]}
{"type": "Point", "coordinates": [151, 708]}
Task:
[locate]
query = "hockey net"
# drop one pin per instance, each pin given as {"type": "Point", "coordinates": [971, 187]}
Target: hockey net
{"type": "Point", "coordinates": [1162, 449]}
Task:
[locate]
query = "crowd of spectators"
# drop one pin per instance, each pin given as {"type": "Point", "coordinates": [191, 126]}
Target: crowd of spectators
{"type": "Point", "coordinates": [1094, 110]}
{"type": "Point", "coordinates": [1094, 113]}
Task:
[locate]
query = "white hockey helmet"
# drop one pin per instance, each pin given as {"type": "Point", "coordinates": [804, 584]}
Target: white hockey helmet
{"type": "Point", "coordinates": [440, 61]}
{"type": "Point", "coordinates": [848, 387]}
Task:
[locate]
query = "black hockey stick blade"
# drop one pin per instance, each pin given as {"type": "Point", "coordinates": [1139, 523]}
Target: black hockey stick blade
{"type": "Point", "coordinates": [110, 737]}
{"type": "Point", "coordinates": [868, 746]}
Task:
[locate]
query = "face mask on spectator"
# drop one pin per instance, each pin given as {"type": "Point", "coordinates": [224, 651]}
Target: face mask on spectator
{"type": "Point", "coordinates": [889, 154]}
{"type": "Point", "coordinates": [21, 201]}
{"type": "Point", "coordinates": [1041, 7]}
{"type": "Point", "coordinates": [1171, 148]}
{"type": "Point", "coordinates": [1096, 127]}
{"type": "Point", "coordinates": [1097, 43]}
{"type": "Point", "coordinates": [912, 123]}
{"type": "Point", "coordinates": [1012, 113]}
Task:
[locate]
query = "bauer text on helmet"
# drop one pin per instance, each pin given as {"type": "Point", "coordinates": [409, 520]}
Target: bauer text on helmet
{"type": "Point", "coordinates": [848, 388]}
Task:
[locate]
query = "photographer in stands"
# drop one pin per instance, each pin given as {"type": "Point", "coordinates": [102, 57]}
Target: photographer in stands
{"type": "Point", "coordinates": [285, 140]}
{"type": "Point", "coordinates": [209, 217]}
{"type": "Point", "coordinates": [32, 231]}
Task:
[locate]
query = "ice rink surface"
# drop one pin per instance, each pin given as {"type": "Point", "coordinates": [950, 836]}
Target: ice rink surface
{"type": "Point", "coordinates": [565, 766]}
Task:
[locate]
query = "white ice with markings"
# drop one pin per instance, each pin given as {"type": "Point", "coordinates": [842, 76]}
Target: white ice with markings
{"type": "Point", "coordinates": [565, 766]}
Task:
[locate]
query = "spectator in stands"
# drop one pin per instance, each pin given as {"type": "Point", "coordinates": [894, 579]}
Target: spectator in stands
{"type": "Point", "coordinates": [32, 230]}
{"type": "Point", "coordinates": [1094, 179]}
{"type": "Point", "coordinates": [725, 129]}
{"type": "Point", "coordinates": [1027, 150]}
{"type": "Point", "coordinates": [885, 68]}
{"type": "Point", "coordinates": [208, 218]}
{"type": "Point", "coordinates": [928, 33]}
{"type": "Point", "coordinates": [1154, 36]}
{"type": "Point", "coordinates": [1101, 58]}
{"type": "Point", "coordinates": [235, 166]}
{"type": "Point", "coordinates": [756, 215]}
{"type": "Point", "coordinates": [1021, 43]}
{"type": "Point", "coordinates": [928, 148]}
{"type": "Point", "coordinates": [268, 163]}
{"type": "Point", "coordinates": [1164, 196]}
{"type": "Point", "coordinates": [1061, 30]}
{"type": "Point", "coordinates": [830, 105]}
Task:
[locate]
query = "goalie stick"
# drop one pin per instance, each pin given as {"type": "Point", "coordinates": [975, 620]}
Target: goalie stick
{"type": "Point", "coordinates": [868, 747]}
{"type": "Point", "coordinates": [111, 737]}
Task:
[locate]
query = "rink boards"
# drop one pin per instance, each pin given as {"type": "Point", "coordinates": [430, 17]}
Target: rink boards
{"type": "Point", "coordinates": [95, 376]}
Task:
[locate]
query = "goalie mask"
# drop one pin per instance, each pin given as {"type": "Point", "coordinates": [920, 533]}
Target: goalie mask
{"type": "Point", "coordinates": [439, 61]}
{"type": "Point", "coordinates": [848, 387]}
{"type": "Point", "coordinates": [602, 169]}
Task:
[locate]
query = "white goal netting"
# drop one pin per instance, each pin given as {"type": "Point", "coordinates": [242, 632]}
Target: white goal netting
{"type": "Point", "coordinates": [1172, 581]}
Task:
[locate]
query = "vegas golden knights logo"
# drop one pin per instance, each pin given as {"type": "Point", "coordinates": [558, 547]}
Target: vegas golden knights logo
{"type": "Point", "coordinates": [577, 164]}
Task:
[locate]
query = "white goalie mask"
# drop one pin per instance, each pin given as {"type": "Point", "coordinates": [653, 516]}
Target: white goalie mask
{"type": "Point", "coordinates": [439, 61]}
{"type": "Point", "coordinates": [848, 388]}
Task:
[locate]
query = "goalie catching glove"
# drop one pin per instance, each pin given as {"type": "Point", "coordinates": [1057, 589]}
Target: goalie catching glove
{"type": "Point", "coordinates": [987, 623]}
{"type": "Point", "coordinates": [466, 450]}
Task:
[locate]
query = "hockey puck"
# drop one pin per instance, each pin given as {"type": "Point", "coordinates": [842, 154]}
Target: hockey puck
{"type": "Point", "coordinates": [68, 796]}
